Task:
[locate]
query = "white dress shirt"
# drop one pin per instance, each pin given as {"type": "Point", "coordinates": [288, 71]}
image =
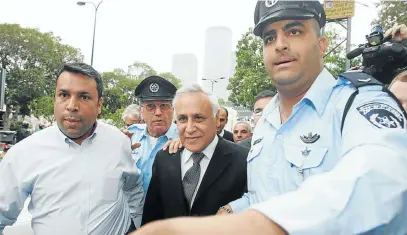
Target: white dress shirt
{"type": "Point", "coordinates": [84, 189]}
{"type": "Point", "coordinates": [187, 162]}
{"type": "Point", "coordinates": [222, 132]}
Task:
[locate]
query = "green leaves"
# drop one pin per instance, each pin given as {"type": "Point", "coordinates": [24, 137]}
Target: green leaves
{"type": "Point", "coordinates": [31, 59]}
{"type": "Point", "coordinates": [250, 77]}
{"type": "Point", "coordinates": [119, 87]}
{"type": "Point", "coordinates": [391, 12]}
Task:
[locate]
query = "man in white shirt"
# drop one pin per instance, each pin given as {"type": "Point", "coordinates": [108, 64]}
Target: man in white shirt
{"type": "Point", "coordinates": [79, 173]}
{"type": "Point", "coordinates": [197, 179]}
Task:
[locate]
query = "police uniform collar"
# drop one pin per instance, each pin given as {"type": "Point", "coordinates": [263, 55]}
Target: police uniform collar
{"type": "Point", "coordinates": [321, 90]}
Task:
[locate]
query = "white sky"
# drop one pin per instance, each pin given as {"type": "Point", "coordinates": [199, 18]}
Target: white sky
{"type": "Point", "coordinates": [149, 31]}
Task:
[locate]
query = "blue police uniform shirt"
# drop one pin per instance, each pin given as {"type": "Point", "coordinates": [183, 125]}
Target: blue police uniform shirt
{"type": "Point", "coordinates": [359, 176]}
{"type": "Point", "coordinates": [144, 155]}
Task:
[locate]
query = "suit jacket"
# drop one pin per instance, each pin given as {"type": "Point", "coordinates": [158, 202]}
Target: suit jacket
{"type": "Point", "coordinates": [246, 143]}
{"type": "Point", "coordinates": [228, 136]}
{"type": "Point", "coordinates": [225, 180]}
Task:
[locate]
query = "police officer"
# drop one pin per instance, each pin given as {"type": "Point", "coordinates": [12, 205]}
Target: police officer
{"type": "Point", "coordinates": [155, 94]}
{"type": "Point", "coordinates": [310, 172]}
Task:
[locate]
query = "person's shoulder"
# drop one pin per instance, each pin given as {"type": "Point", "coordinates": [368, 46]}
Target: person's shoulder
{"type": "Point", "coordinates": [164, 156]}
{"type": "Point", "coordinates": [246, 143]}
{"type": "Point", "coordinates": [111, 132]}
{"type": "Point", "coordinates": [236, 149]}
{"type": "Point", "coordinates": [34, 141]}
{"type": "Point", "coordinates": [137, 128]}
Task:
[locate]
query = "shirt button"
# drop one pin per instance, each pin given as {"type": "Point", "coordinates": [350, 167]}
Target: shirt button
{"type": "Point", "coordinates": [280, 137]}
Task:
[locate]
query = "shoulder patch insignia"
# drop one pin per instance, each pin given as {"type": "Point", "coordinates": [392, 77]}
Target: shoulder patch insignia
{"type": "Point", "coordinates": [382, 115]}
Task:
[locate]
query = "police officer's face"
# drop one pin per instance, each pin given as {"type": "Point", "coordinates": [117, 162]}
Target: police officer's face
{"type": "Point", "coordinates": [399, 89]}
{"type": "Point", "coordinates": [293, 53]}
{"type": "Point", "coordinates": [158, 117]}
{"type": "Point", "coordinates": [195, 121]}
{"type": "Point", "coordinates": [76, 105]}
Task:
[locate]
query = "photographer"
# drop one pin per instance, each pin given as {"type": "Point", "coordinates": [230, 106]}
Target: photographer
{"type": "Point", "coordinates": [398, 32]}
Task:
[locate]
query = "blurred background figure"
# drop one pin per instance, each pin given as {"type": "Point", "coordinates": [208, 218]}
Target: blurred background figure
{"type": "Point", "coordinates": [223, 120]}
{"type": "Point", "coordinates": [131, 115]}
{"type": "Point", "coordinates": [261, 101]}
{"type": "Point", "coordinates": [23, 131]}
{"type": "Point", "coordinates": [242, 131]}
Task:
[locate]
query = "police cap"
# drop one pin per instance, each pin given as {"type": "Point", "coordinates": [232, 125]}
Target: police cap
{"type": "Point", "coordinates": [155, 88]}
{"type": "Point", "coordinates": [270, 11]}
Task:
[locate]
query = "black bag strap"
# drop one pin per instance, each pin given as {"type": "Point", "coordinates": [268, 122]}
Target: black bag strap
{"type": "Point", "coordinates": [360, 79]}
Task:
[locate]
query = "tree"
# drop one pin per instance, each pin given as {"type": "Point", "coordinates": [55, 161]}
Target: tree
{"type": "Point", "coordinates": [391, 12]}
{"type": "Point", "coordinates": [140, 70]}
{"type": "Point", "coordinates": [31, 59]}
{"type": "Point", "coordinates": [43, 106]}
{"type": "Point", "coordinates": [170, 77]}
{"type": "Point", "coordinates": [335, 58]}
{"type": "Point", "coordinates": [119, 87]}
{"type": "Point", "coordinates": [118, 91]}
{"type": "Point", "coordinates": [222, 102]}
{"type": "Point", "coordinates": [250, 77]}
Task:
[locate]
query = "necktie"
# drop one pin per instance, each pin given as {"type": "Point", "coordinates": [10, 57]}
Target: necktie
{"type": "Point", "coordinates": [191, 177]}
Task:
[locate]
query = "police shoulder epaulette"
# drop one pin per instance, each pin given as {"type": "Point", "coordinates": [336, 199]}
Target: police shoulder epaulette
{"type": "Point", "coordinates": [360, 79]}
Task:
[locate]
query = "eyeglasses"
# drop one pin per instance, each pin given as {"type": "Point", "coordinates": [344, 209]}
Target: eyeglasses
{"type": "Point", "coordinates": [258, 112]}
{"type": "Point", "coordinates": [163, 107]}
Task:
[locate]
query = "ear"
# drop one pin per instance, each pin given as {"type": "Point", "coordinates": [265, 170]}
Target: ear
{"type": "Point", "coordinates": [323, 45]}
{"type": "Point", "coordinates": [100, 102]}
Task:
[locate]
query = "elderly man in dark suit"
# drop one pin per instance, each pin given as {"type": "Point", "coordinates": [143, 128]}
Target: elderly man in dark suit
{"type": "Point", "coordinates": [207, 173]}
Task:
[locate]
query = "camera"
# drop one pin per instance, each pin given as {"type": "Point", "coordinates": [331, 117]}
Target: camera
{"type": "Point", "coordinates": [382, 58]}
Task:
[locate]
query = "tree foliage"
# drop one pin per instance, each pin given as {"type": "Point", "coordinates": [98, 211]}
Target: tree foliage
{"type": "Point", "coordinates": [31, 59]}
{"type": "Point", "coordinates": [119, 86]}
{"type": "Point", "coordinates": [391, 12]}
{"type": "Point", "coordinates": [43, 106]}
{"type": "Point", "coordinates": [250, 77]}
{"type": "Point", "coordinates": [335, 58]}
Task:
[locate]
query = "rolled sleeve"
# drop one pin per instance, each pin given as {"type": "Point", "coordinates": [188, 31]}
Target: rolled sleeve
{"type": "Point", "coordinates": [240, 204]}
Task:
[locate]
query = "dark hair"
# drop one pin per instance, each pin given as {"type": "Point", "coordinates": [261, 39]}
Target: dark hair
{"type": "Point", "coordinates": [227, 113]}
{"type": "Point", "coordinates": [265, 94]}
{"type": "Point", "coordinates": [84, 69]}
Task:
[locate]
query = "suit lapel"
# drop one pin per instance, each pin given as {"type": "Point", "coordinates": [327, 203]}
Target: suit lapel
{"type": "Point", "coordinates": [175, 177]}
{"type": "Point", "coordinates": [220, 160]}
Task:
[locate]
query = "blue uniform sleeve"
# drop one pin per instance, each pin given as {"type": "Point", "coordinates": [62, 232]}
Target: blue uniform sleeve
{"type": "Point", "coordinates": [366, 190]}
{"type": "Point", "coordinates": [240, 204]}
{"type": "Point", "coordinates": [13, 192]}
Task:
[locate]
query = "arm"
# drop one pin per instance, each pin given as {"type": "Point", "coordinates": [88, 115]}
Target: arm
{"type": "Point", "coordinates": [248, 222]}
{"type": "Point", "coordinates": [133, 190]}
{"type": "Point", "coordinates": [153, 206]}
{"type": "Point", "coordinates": [12, 191]}
{"type": "Point", "coordinates": [366, 189]}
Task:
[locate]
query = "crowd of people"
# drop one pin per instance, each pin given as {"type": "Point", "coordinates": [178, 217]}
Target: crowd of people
{"type": "Point", "coordinates": [327, 155]}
